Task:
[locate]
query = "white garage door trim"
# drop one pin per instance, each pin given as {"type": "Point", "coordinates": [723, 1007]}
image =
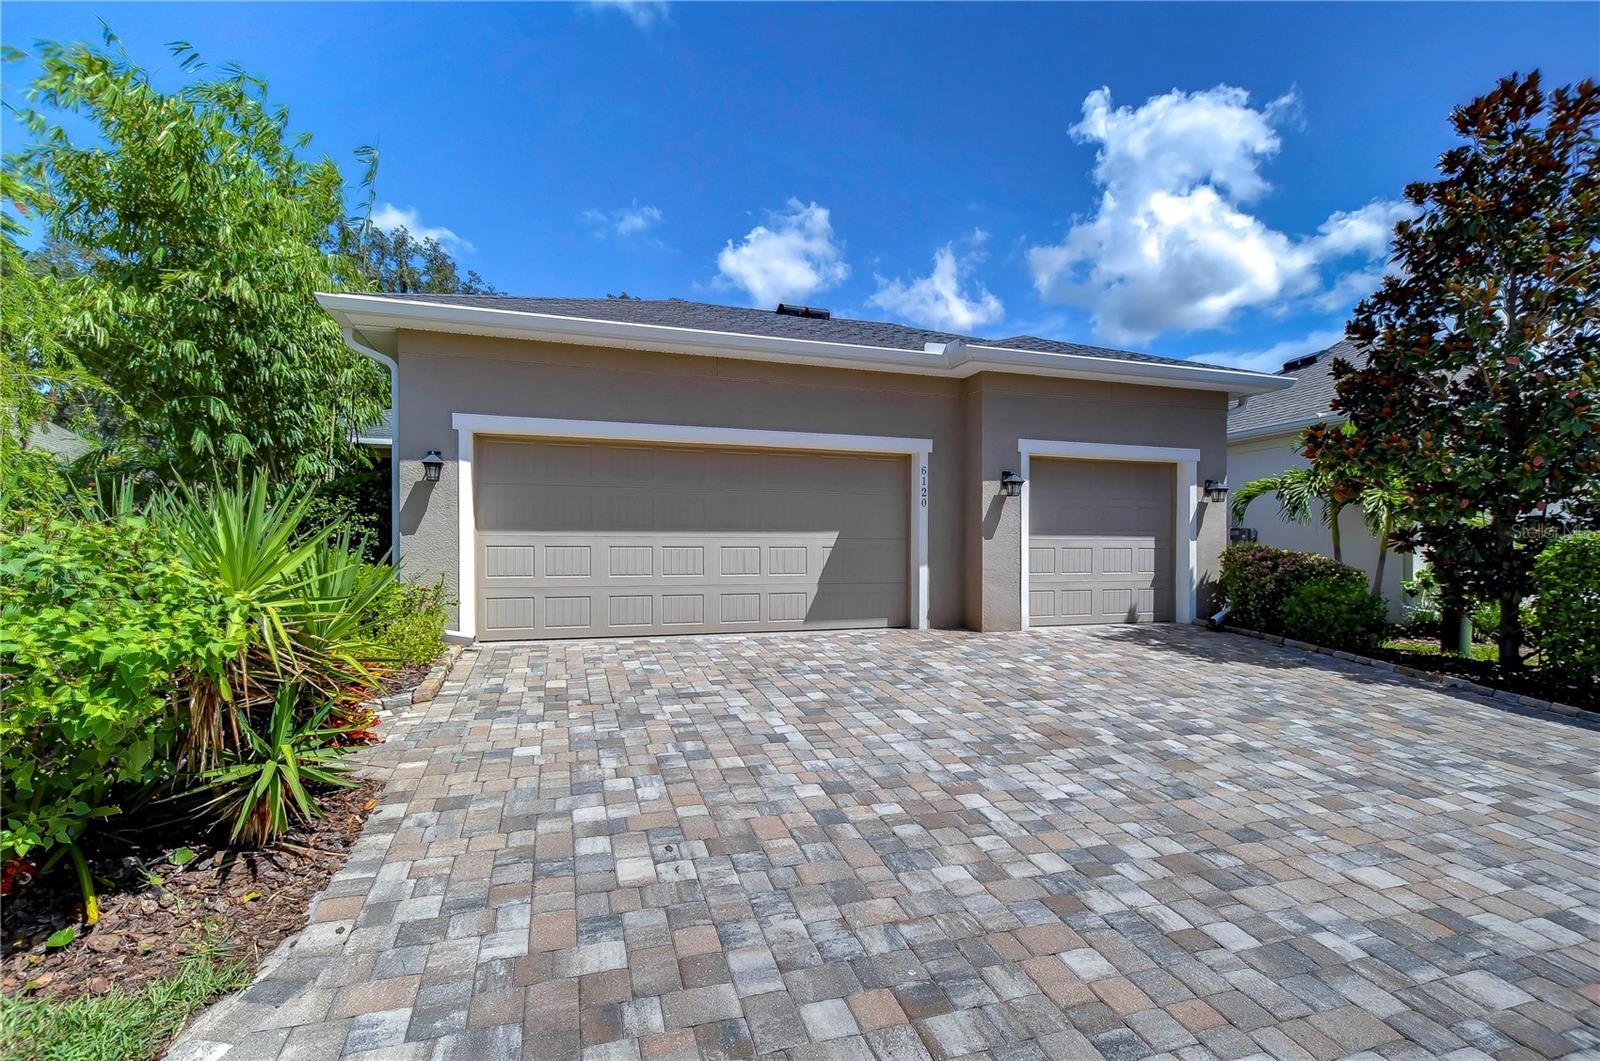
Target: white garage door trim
{"type": "Point", "coordinates": [1185, 505]}
{"type": "Point", "coordinates": [470, 425]}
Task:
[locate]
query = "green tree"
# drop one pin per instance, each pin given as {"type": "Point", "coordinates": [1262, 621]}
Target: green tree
{"type": "Point", "coordinates": [40, 373]}
{"type": "Point", "coordinates": [202, 228]}
{"type": "Point", "coordinates": [398, 261]}
{"type": "Point", "coordinates": [1483, 368]}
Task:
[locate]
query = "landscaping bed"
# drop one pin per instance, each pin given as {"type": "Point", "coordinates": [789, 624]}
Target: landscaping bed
{"type": "Point", "coordinates": [1539, 684]}
{"type": "Point", "coordinates": [153, 911]}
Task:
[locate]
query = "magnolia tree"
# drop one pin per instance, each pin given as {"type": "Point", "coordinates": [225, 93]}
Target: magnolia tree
{"type": "Point", "coordinates": [1482, 383]}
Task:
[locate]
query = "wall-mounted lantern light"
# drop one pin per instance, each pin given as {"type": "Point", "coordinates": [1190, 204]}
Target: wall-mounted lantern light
{"type": "Point", "coordinates": [432, 465]}
{"type": "Point", "coordinates": [1217, 490]}
{"type": "Point", "coordinates": [1011, 483]}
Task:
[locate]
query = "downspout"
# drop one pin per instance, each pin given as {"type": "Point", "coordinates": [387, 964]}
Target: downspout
{"type": "Point", "coordinates": [394, 436]}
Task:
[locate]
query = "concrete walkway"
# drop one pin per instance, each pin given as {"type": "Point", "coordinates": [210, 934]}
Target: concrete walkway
{"type": "Point", "coordinates": [1121, 842]}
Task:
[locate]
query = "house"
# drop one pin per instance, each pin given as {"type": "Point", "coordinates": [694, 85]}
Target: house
{"type": "Point", "coordinates": [595, 467]}
{"type": "Point", "coordinates": [1263, 436]}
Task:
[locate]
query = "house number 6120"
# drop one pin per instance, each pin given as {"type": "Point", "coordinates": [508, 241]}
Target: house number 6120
{"type": "Point", "coordinates": [924, 486]}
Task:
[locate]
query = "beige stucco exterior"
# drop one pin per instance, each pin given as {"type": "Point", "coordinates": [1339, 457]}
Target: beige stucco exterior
{"type": "Point", "coordinates": [974, 533]}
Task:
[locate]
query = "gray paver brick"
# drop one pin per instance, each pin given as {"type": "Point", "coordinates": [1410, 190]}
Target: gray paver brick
{"type": "Point", "coordinates": [1128, 841]}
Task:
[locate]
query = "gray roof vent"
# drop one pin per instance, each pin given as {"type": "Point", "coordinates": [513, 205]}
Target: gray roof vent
{"type": "Point", "coordinates": [1296, 364]}
{"type": "Point", "coordinates": [804, 311]}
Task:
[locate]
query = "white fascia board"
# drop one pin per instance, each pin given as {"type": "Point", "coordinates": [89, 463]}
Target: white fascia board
{"type": "Point", "coordinates": [1286, 427]}
{"type": "Point", "coordinates": [376, 313]}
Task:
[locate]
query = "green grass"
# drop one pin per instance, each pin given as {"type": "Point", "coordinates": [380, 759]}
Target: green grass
{"type": "Point", "coordinates": [1486, 653]}
{"type": "Point", "coordinates": [119, 1025]}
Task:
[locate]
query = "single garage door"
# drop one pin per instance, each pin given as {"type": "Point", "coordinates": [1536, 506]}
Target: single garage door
{"type": "Point", "coordinates": [596, 539]}
{"type": "Point", "coordinates": [1100, 542]}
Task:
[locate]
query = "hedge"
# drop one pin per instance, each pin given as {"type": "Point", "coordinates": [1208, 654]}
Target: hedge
{"type": "Point", "coordinates": [1566, 580]}
{"type": "Point", "coordinates": [1258, 579]}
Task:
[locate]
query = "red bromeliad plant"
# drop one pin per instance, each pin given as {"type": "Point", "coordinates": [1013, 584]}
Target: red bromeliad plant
{"type": "Point", "coordinates": [1482, 383]}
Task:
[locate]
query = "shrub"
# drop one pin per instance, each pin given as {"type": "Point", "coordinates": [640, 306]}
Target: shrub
{"type": "Point", "coordinates": [142, 650]}
{"type": "Point", "coordinates": [262, 784]}
{"type": "Point", "coordinates": [1337, 613]}
{"type": "Point", "coordinates": [99, 620]}
{"type": "Point", "coordinates": [1258, 579]}
{"type": "Point", "coordinates": [410, 619]}
{"type": "Point", "coordinates": [1566, 579]}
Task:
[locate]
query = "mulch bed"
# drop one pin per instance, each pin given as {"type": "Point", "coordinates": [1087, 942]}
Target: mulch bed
{"type": "Point", "coordinates": [407, 677]}
{"type": "Point", "coordinates": [1526, 682]}
{"type": "Point", "coordinates": [259, 897]}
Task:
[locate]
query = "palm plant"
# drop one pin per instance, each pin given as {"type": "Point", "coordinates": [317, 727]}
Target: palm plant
{"type": "Point", "coordinates": [1299, 491]}
{"type": "Point", "coordinates": [261, 784]}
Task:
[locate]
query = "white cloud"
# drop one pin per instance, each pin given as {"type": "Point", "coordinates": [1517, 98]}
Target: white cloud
{"type": "Point", "coordinates": [1171, 247]}
{"type": "Point", "coordinates": [625, 221]}
{"type": "Point", "coordinates": [644, 14]}
{"type": "Point", "coordinates": [789, 259]}
{"type": "Point", "coordinates": [1271, 358]}
{"type": "Point", "coordinates": [937, 300]}
{"type": "Point", "coordinates": [389, 217]}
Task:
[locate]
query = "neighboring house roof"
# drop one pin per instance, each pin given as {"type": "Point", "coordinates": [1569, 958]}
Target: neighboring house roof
{"type": "Point", "coordinates": [678, 326]}
{"type": "Point", "coordinates": [63, 442]}
{"type": "Point", "coordinates": [378, 433]}
{"type": "Point", "coordinates": [1309, 400]}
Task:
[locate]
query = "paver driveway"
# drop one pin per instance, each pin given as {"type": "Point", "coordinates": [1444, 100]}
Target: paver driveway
{"type": "Point", "coordinates": [1120, 842]}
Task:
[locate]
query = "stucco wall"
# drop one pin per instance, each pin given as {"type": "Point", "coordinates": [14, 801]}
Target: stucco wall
{"type": "Point", "coordinates": [973, 534]}
{"type": "Point", "coordinates": [1269, 456]}
{"type": "Point", "coordinates": [1004, 409]}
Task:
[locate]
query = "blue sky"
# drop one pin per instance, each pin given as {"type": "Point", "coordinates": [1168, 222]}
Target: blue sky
{"type": "Point", "coordinates": [1207, 180]}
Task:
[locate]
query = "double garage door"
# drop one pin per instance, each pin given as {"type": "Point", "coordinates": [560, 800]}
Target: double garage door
{"type": "Point", "coordinates": [1100, 542]}
{"type": "Point", "coordinates": [581, 539]}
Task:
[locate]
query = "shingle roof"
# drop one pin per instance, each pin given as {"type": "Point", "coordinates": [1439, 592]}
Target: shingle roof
{"type": "Point", "coordinates": [1310, 397]}
{"type": "Point", "coordinates": [738, 320]}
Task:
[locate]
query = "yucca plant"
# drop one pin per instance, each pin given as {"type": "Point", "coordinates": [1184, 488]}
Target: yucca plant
{"type": "Point", "coordinates": [261, 784]}
{"type": "Point", "coordinates": [304, 597]}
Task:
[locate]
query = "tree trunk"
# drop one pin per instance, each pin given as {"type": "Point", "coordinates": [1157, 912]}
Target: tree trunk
{"type": "Point", "coordinates": [1333, 531]}
{"type": "Point", "coordinates": [1510, 630]}
{"type": "Point", "coordinates": [1510, 634]}
{"type": "Point", "coordinates": [1383, 555]}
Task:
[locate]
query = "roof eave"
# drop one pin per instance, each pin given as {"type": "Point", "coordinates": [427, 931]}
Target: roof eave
{"type": "Point", "coordinates": [378, 318]}
{"type": "Point", "coordinates": [1284, 427]}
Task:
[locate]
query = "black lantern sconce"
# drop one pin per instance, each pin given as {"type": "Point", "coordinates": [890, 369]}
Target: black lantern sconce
{"type": "Point", "coordinates": [432, 465]}
{"type": "Point", "coordinates": [1217, 490]}
{"type": "Point", "coordinates": [1011, 483]}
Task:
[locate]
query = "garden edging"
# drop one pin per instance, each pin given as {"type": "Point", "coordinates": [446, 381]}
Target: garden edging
{"type": "Point", "coordinates": [1501, 698]}
{"type": "Point", "coordinates": [421, 693]}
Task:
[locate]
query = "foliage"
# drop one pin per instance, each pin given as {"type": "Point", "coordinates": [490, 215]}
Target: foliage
{"type": "Point", "coordinates": [37, 370]}
{"type": "Point", "coordinates": [262, 783]}
{"type": "Point", "coordinates": [1566, 579]}
{"type": "Point", "coordinates": [202, 230]}
{"type": "Point", "coordinates": [356, 501]}
{"type": "Point", "coordinates": [398, 261]}
{"type": "Point", "coordinates": [1481, 653]}
{"type": "Point", "coordinates": [98, 620]}
{"type": "Point", "coordinates": [1381, 503]}
{"type": "Point", "coordinates": [1483, 345]}
{"type": "Point", "coordinates": [309, 615]}
{"type": "Point", "coordinates": [121, 1025]}
{"type": "Point", "coordinates": [1258, 579]}
{"type": "Point", "coordinates": [1337, 612]}
{"type": "Point", "coordinates": [411, 617]}
{"type": "Point", "coordinates": [146, 645]}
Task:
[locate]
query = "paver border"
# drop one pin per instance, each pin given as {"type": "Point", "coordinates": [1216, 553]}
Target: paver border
{"type": "Point", "coordinates": [1503, 699]}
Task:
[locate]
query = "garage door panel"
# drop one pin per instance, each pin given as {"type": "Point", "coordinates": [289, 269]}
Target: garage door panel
{"type": "Point", "coordinates": [684, 540]}
{"type": "Point", "coordinates": [1100, 542]}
